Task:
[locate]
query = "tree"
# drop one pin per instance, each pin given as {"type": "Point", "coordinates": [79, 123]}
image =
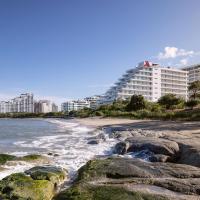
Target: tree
{"type": "Point", "coordinates": [169, 101]}
{"type": "Point", "coordinates": [192, 103]}
{"type": "Point", "coordinates": [194, 88]}
{"type": "Point", "coordinates": [137, 102]}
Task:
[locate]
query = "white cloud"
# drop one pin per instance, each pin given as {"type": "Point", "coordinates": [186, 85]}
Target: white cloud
{"type": "Point", "coordinates": [174, 52]}
{"type": "Point", "coordinates": [184, 61]}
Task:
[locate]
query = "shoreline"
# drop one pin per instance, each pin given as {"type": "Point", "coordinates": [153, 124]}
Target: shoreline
{"type": "Point", "coordinates": [180, 127]}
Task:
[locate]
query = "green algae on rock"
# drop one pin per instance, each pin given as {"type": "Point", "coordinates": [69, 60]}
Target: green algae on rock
{"type": "Point", "coordinates": [50, 173]}
{"type": "Point", "coordinates": [40, 185]}
{"type": "Point", "coordinates": [133, 179]}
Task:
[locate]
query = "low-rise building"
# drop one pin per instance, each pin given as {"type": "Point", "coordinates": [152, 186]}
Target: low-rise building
{"type": "Point", "coordinates": [74, 105]}
{"type": "Point", "coordinates": [93, 100]}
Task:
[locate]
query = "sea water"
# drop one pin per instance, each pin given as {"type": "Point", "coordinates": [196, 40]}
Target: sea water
{"type": "Point", "coordinates": [64, 138]}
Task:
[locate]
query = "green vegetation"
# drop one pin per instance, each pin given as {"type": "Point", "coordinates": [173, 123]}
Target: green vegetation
{"type": "Point", "coordinates": [137, 102]}
{"type": "Point", "coordinates": [194, 88]}
{"type": "Point", "coordinates": [168, 107]}
{"type": "Point", "coordinates": [170, 101]}
{"type": "Point", "coordinates": [33, 115]}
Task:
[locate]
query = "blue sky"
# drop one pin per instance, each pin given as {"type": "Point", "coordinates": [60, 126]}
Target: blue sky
{"type": "Point", "coordinates": [68, 49]}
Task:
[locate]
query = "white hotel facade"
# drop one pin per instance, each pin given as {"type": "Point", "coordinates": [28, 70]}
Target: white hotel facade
{"type": "Point", "coordinates": [149, 80]}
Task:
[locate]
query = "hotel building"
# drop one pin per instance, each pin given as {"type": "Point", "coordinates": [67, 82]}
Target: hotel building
{"type": "Point", "coordinates": [22, 104]}
{"type": "Point", "coordinates": [74, 105]}
{"type": "Point", "coordinates": [149, 80]}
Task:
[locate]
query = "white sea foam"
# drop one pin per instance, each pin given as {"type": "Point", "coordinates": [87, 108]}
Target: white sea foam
{"type": "Point", "coordinates": [69, 145]}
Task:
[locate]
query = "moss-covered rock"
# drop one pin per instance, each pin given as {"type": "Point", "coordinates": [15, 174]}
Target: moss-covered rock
{"type": "Point", "coordinates": [134, 179]}
{"type": "Point", "coordinates": [20, 186]}
{"type": "Point", "coordinates": [50, 173]}
{"type": "Point", "coordinates": [89, 192]}
{"type": "Point", "coordinates": [40, 185]}
{"type": "Point", "coordinates": [6, 157]}
{"type": "Point", "coordinates": [31, 157]}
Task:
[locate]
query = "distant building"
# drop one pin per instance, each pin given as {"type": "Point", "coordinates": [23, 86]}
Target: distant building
{"type": "Point", "coordinates": [45, 106]}
{"type": "Point", "coordinates": [93, 100]}
{"type": "Point", "coordinates": [54, 107]}
{"type": "Point", "coordinates": [22, 104]}
{"type": "Point", "coordinates": [193, 73]}
{"type": "Point", "coordinates": [74, 105]}
{"type": "Point", "coordinates": [149, 80]}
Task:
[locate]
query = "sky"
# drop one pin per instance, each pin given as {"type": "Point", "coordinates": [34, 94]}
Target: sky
{"type": "Point", "coordinates": [70, 49]}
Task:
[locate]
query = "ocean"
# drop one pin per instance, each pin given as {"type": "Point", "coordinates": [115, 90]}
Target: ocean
{"type": "Point", "coordinates": [64, 138]}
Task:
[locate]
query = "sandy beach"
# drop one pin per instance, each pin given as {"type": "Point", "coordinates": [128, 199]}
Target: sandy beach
{"type": "Point", "coordinates": [169, 127]}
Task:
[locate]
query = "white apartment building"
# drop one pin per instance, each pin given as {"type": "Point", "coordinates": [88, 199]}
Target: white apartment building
{"type": "Point", "coordinates": [193, 73]}
{"type": "Point", "coordinates": [74, 105]}
{"type": "Point", "coordinates": [149, 80]}
{"type": "Point", "coordinates": [45, 106]}
{"type": "Point", "coordinates": [93, 100]}
{"type": "Point", "coordinates": [22, 104]}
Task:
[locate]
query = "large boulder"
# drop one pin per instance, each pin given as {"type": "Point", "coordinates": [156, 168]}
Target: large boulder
{"type": "Point", "coordinates": [133, 179]}
{"type": "Point", "coordinates": [154, 145]}
{"type": "Point", "coordinates": [40, 185]}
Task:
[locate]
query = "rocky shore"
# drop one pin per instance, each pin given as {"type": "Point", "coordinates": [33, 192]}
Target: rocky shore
{"type": "Point", "coordinates": [159, 162]}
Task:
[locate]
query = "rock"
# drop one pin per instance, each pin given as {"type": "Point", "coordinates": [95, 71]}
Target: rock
{"type": "Point", "coordinates": [38, 183]}
{"type": "Point", "coordinates": [133, 179]}
{"type": "Point", "coordinates": [50, 173]}
{"type": "Point", "coordinates": [97, 139]}
{"type": "Point", "coordinates": [94, 141]}
{"type": "Point", "coordinates": [190, 153]}
{"type": "Point", "coordinates": [159, 158]}
{"type": "Point", "coordinates": [155, 145]}
{"type": "Point", "coordinates": [100, 192]}
{"type": "Point", "coordinates": [34, 158]}
{"type": "Point", "coordinates": [120, 134]}
{"type": "Point", "coordinates": [121, 148]}
{"type": "Point", "coordinates": [20, 186]}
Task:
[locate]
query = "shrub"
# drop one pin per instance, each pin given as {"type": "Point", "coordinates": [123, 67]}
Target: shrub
{"type": "Point", "coordinates": [137, 103]}
{"type": "Point", "coordinates": [192, 103]}
{"type": "Point", "coordinates": [170, 101]}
